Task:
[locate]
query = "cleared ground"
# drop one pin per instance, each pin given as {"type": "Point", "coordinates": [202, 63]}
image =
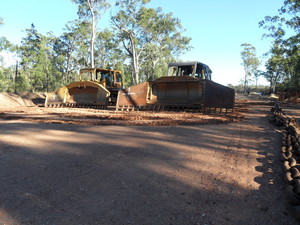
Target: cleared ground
{"type": "Point", "coordinates": [24, 108]}
{"type": "Point", "coordinates": [218, 171]}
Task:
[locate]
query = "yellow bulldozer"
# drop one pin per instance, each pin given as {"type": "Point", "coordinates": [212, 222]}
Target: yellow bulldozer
{"type": "Point", "coordinates": [187, 86]}
{"type": "Point", "coordinates": [96, 88]}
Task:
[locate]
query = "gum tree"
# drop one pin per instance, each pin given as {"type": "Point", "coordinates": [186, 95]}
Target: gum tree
{"type": "Point", "coordinates": [284, 29]}
{"type": "Point", "coordinates": [147, 34]}
{"type": "Point", "coordinates": [250, 62]}
{"type": "Point", "coordinates": [92, 11]}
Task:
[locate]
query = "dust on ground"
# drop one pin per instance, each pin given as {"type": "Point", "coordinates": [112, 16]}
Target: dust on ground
{"type": "Point", "coordinates": [224, 169]}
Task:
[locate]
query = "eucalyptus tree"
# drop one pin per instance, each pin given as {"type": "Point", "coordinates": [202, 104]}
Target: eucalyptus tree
{"type": "Point", "coordinates": [62, 59]}
{"type": "Point", "coordinates": [250, 62]}
{"type": "Point", "coordinates": [285, 57]}
{"type": "Point", "coordinates": [6, 73]}
{"type": "Point", "coordinates": [70, 49]}
{"type": "Point", "coordinates": [287, 19]}
{"type": "Point", "coordinates": [257, 74]}
{"type": "Point", "coordinates": [29, 48]}
{"type": "Point", "coordinates": [92, 11]}
{"type": "Point", "coordinates": [284, 28]}
{"type": "Point", "coordinates": [131, 34]}
{"type": "Point", "coordinates": [35, 54]}
{"type": "Point", "coordinates": [164, 36]}
{"type": "Point", "coordinates": [108, 52]}
{"type": "Point", "coordinates": [5, 44]}
{"type": "Point", "coordinates": [147, 34]}
{"type": "Point", "coordinates": [275, 69]}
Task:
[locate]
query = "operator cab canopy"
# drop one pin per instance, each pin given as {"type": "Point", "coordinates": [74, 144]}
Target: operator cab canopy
{"type": "Point", "coordinates": [194, 69]}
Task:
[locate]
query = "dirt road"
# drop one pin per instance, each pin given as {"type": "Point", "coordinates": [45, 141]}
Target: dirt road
{"type": "Point", "coordinates": [203, 174]}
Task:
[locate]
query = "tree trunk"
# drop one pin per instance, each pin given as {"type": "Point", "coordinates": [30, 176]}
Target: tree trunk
{"type": "Point", "coordinates": [66, 76]}
{"type": "Point", "coordinates": [16, 76]}
{"type": "Point", "coordinates": [92, 54]}
{"type": "Point", "coordinates": [256, 82]}
{"type": "Point", "coordinates": [93, 35]}
{"type": "Point", "coordinates": [135, 62]}
{"type": "Point", "coordinates": [245, 83]}
{"type": "Point", "coordinates": [154, 62]}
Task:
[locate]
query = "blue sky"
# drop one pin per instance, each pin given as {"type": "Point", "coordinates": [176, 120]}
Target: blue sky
{"type": "Point", "coordinates": [217, 27]}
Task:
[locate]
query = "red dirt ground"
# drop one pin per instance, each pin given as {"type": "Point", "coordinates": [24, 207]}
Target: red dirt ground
{"type": "Point", "coordinates": [87, 166]}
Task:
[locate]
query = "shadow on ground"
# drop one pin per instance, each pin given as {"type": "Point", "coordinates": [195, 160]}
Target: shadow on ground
{"type": "Point", "coordinates": [68, 174]}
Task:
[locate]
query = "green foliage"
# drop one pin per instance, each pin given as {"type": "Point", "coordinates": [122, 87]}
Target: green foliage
{"type": "Point", "coordinates": [250, 62]}
{"type": "Point", "coordinates": [108, 53]}
{"type": "Point", "coordinates": [37, 57]}
{"type": "Point", "coordinates": [5, 44]}
{"type": "Point", "coordinates": [6, 80]}
{"type": "Point", "coordinates": [288, 18]}
{"type": "Point", "coordinates": [148, 35]}
{"type": "Point", "coordinates": [91, 11]}
{"type": "Point", "coordinates": [283, 66]}
{"type": "Point", "coordinates": [21, 83]}
{"type": "Point", "coordinates": [140, 43]}
{"type": "Point", "coordinates": [71, 50]}
{"type": "Point", "coordinates": [31, 57]}
{"type": "Point", "coordinates": [164, 37]}
{"type": "Point", "coordinates": [260, 89]}
{"type": "Point", "coordinates": [90, 8]}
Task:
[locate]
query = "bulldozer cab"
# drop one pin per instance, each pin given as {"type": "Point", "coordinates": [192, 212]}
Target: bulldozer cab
{"type": "Point", "coordinates": [110, 79]}
{"type": "Point", "coordinates": [87, 74]}
{"type": "Point", "coordinates": [106, 78]}
{"type": "Point", "coordinates": [194, 69]}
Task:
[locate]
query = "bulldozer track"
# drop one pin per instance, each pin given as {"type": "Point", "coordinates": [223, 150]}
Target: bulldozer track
{"type": "Point", "coordinates": [160, 108]}
{"type": "Point", "coordinates": [76, 105]}
{"type": "Point", "coordinates": [154, 108]}
{"type": "Point", "coordinates": [185, 108]}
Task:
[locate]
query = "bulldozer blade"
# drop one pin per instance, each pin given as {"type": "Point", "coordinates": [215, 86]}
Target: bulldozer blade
{"type": "Point", "coordinates": [176, 93]}
{"type": "Point", "coordinates": [218, 96]}
{"type": "Point", "coordinates": [81, 93]}
{"type": "Point", "coordinates": [133, 97]}
{"type": "Point", "coordinates": [56, 98]}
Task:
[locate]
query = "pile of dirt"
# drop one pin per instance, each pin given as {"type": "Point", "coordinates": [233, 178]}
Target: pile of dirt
{"type": "Point", "coordinates": [10, 100]}
{"type": "Point", "coordinates": [293, 100]}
